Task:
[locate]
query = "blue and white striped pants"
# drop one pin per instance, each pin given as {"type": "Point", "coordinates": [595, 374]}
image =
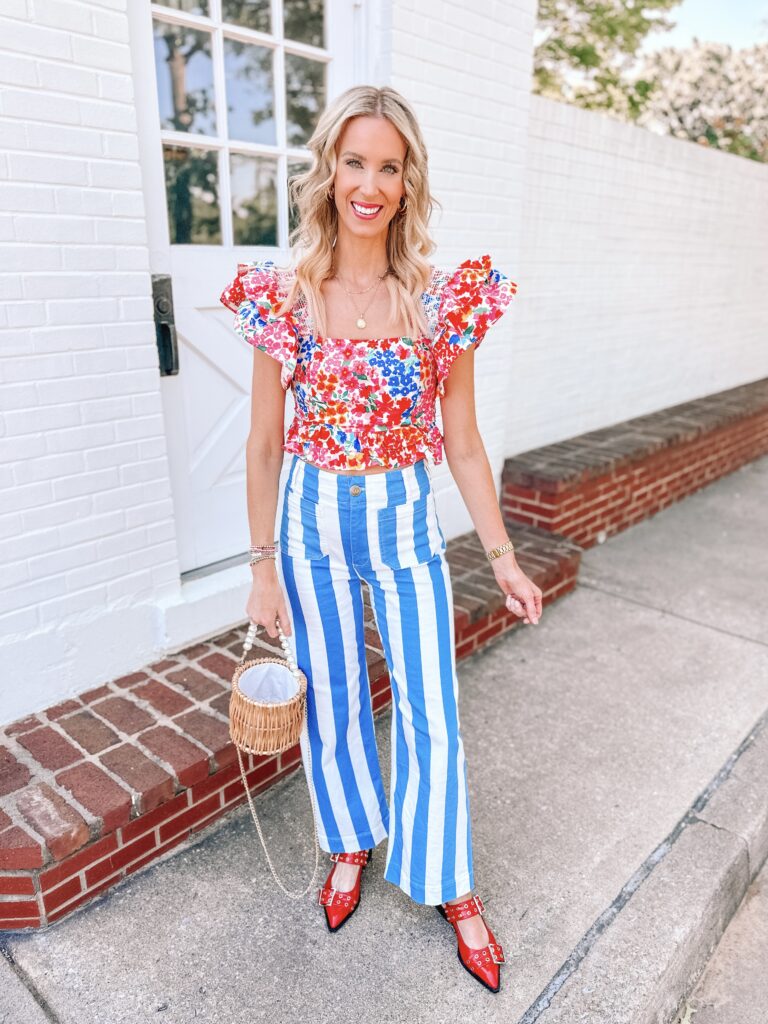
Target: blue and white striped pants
{"type": "Point", "coordinates": [338, 531]}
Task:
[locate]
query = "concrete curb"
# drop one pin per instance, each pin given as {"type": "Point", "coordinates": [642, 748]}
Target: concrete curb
{"type": "Point", "coordinates": [645, 953]}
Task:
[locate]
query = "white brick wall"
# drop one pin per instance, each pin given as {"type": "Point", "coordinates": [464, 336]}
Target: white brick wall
{"type": "Point", "coordinates": [643, 279]}
{"type": "Point", "coordinates": [86, 526]}
{"type": "Point", "coordinates": [466, 68]}
{"type": "Point", "coordinates": [640, 262]}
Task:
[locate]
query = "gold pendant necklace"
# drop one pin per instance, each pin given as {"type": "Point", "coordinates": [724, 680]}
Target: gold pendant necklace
{"type": "Point", "coordinates": [361, 322]}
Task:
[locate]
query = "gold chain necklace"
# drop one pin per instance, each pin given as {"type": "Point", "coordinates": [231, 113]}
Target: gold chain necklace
{"type": "Point", "coordinates": [361, 322]}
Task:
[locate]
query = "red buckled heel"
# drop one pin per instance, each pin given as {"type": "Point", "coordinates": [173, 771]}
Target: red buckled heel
{"type": "Point", "coordinates": [340, 905]}
{"type": "Point", "coordinates": [482, 963]}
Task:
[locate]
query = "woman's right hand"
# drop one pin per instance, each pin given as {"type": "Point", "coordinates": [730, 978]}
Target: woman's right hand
{"type": "Point", "coordinates": [266, 602]}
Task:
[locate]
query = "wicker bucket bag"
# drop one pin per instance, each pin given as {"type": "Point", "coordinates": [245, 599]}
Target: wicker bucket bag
{"type": "Point", "coordinates": [267, 713]}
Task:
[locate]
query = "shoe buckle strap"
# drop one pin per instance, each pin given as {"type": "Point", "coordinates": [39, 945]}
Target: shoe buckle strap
{"type": "Point", "coordinates": [330, 893]}
{"type": "Point", "coordinates": [469, 908]}
{"type": "Point", "coordinates": [493, 951]}
{"type": "Point", "coordinates": [357, 857]}
{"type": "Point", "coordinates": [497, 953]}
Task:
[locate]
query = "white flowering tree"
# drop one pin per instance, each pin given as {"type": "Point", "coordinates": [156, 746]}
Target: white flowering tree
{"type": "Point", "coordinates": [587, 53]}
{"type": "Point", "coordinates": [711, 94]}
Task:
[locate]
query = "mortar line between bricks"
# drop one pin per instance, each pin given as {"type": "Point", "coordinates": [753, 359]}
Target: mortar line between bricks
{"type": "Point", "coordinates": [604, 920]}
{"type": "Point", "coordinates": [29, 985]}
{"type": "Point", "coordinates": [672, 614]}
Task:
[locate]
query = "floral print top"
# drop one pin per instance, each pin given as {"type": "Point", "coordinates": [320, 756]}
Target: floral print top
{"type": "Point", "coordinates": [367, 402]}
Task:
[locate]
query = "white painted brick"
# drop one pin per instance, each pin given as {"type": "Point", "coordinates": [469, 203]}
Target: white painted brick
{"type": "Point", "coordinates": [14, 134]}
{"type": "Point", "coordinates": [98, 53]}
{"type": "Point", "coordinates": [7, 228]}
{"type": "Point", "coordinates": [79, 530]}
{"type": "Point", "coordinates": [133, 585]}
{"type": "Point", "coordinates": [74, 17]}
{"type": "Point", "coordinates": [54, 612]}
{"type": "Point", "coordinates": [26, 314]}
{"type": "Point", "coordinates": [54, 515]}
{"type": "Point", "coordinates": [71, 389]}
{"type": "Point", "coordinates": [75, 311]}
{"type": "Point", "coordinates": [68, 339]}
{"type": "Point", "coordinates": [132, 258]}
{"type": "Point", "coordinates": [54, 229]}
{"type": "Point", "coordinates": [120, 231]}
{"type": "Point", "coordinates": [140, 427]}
{"type": "Point", "coordinates": [152, 469]}
{"type": "Point", "coordinates": [22, 198]}
{"type": "Point", "coordinates": [125, 284]}
{"type": "Point", "coordinates": [128, 204]}
{"type": "Point", "coordinates": [20, 37]}
{"type": "Point", "coordinates": [105, 114]}
{"type": "Point", "coordinates": [26, 448]}
{"type": "Point", "coordinates": [144, 356]}
{"type": "Point", "coordinates": [30, 594]}
{"type": "Point", "coordinates": [66, 558]}
{"type": "Point", "coordinates": [11, 524]}
{"type": "Point", "coordinates": [46, 421]}
{"type": "Point", "coordinates": [112, 410]}
{"type": "Point", "coordinates": [66, 78]}
{"type": "Point", "coordinates": [17, 70]}
{"type": "Point", "coordinates": [41, 106]}
{"type": "Point", "coordinates": [125, 498]}
{"type": "Point", "coordinates": [152, 512]}
{"type": "Point", "coordinates": [43, 367]}
{"type": "Point", "coordinates": [60, 285]}
{"type": "Point", "coordinates": [17, 396]}
{"type": "Point", "coordinates": [57, 170]}
{"type": "Point", "coordinates": [105, 174]}
{"type": "Point", "coordinates": [119, 145]}
{"type": "Point", "coordinates": [108, 25]}
{"type": "Point", "coordinates": [136, 308]}
{"type": "Point", "coordinates": [85, 483]}
{"type": "Point", "coordinates": [37, 468]}
{"type": "Point", "coordinates": [81, 437]}
{"type": "Point", "coordinates": [110, 360]}
{"type": "Point", "coordinates": [53, 138]}
{"type": "Point", "coordinates": [116, 87]}
{"type": "Point", "coordinates": [21, 622]}
{"type": "Point", "coordinates": [31, 495]}
{"type": "Point", "coordinates": [10, 287]}
{"type": "Point", "coordinates": [90, 257]}
{"type": "Point", "coordinates": [113, 455]}
{"type": "Point", "coordinates": [29, 257]}
{"type": "Point", "coordinates": [15, 574]}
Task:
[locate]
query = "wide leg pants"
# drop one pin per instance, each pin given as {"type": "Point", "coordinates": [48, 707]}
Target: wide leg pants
{"type": "Point", "coordinates": [338, 531]}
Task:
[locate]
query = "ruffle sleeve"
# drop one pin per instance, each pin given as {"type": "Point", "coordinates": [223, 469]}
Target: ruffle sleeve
{"type": "Point", "coordinates": [472, 300]}
{"type": "Point", "coordinates": [253, 296]}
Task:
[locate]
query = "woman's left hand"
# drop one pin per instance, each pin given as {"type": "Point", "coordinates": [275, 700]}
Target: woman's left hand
{"type": "Point", "coordinates": [523, 596]}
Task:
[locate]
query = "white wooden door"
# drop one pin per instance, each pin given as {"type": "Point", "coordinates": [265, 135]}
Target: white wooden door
{"type": "Point", "coordinates": [227, 94]}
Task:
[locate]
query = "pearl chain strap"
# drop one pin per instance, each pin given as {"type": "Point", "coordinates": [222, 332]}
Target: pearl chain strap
{"type": "Point", "coordinates": [250, 636]}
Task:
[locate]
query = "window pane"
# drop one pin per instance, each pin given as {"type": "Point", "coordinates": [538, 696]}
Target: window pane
{"type": "Point", "coordinates": [303, 21]}
{"type": "Point", "coordinates": [250, 92]}
{"type": "Point", "coordinates": [184, 79]}
{"type": "Point", "coordinates": [294, 167]}
{"type": "Point", "coordinates": [250, 13]}
{"type": "Point", "coordinates": [305, 96]}
{"type": "Point", "coordinates": [192, 189]}
{"type": "Point", "coordinates": [190, 6]}
{"type": "Point", "coordinates": [254, 199]}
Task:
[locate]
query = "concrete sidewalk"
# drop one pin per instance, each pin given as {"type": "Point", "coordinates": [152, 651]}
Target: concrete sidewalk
{"type": "Point", "coordinates": [600, 745]}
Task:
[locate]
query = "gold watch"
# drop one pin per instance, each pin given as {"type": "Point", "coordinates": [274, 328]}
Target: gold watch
{"type": "Point", "coordinates": [495, 552]}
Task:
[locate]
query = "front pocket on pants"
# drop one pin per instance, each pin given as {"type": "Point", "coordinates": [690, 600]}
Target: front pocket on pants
{"type": "Point", "coordinates": [301, 527]}
{"type": "Point", "coordinates": [409, 534]}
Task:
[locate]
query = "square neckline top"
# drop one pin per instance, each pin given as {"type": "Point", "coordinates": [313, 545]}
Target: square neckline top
{"type": "Point", "coordinates": [367, 402]}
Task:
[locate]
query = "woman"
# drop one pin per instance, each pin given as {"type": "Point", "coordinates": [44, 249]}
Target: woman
{"type": "Point", "coordinates": [367, 333]}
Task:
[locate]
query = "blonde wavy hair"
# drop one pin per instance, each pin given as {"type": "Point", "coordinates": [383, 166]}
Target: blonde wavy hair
{"type": "Point", "coordinates": [409, 243]}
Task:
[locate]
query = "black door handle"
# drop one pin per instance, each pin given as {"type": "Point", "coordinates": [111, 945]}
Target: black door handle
{"type": "Point", "coordinates": [165, 326]}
